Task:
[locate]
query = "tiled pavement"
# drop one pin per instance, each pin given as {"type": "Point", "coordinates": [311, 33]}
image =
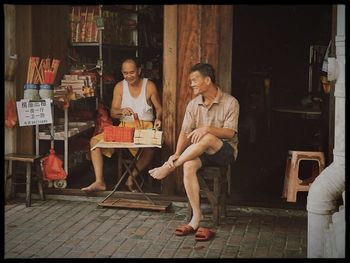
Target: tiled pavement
{"type": "Point", "coordinates": [80, 229]}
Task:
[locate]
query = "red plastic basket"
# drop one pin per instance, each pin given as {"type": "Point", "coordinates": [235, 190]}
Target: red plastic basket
{"type": "Point", "coordinates": [118, 134]}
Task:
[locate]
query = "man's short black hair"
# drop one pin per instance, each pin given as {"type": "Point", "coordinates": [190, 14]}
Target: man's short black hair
{"type": "Point", "coordinates": [205, 69]}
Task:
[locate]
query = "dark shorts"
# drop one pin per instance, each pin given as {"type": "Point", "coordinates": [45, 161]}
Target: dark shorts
{"type": "Point", "coordinates": [222, 157]}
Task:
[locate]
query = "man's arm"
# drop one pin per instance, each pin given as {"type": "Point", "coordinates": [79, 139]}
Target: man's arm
{"type": "Point", "coordinates": [222, 133]}
{"type": "Point", "coordinates": [116, 110]}
{"type": "Point", "coordinates": [182, 144]}
{"type": "Point", "coordinates": [228, 130]}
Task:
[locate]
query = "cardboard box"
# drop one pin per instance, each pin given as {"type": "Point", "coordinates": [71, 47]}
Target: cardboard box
{"type": "Point", "coordinates": [148, 136]}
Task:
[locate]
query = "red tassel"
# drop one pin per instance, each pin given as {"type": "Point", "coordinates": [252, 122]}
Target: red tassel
{"type": "Point", "coordinates": [11, 114]}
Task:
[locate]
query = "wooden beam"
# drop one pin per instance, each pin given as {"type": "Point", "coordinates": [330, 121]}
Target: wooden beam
{"type": "Point", "coordinates": [224, 69]}
{"type": "Point", "coordinates": [169, 91]}
{"type": "Point", "coordinates": [210, 35]}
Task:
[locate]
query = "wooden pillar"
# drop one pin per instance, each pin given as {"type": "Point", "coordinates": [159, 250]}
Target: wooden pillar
{"type": "Point", "coordinates": [189, 49]}
{"type": "Point", "coordinates": [10, 83]}
{"type": "Point", "coordinates": [24, 43]}
{"type": "Point", "coordinates": [169, 91]}
{"type": "Point", "coordinates": [224, 69]}
{"type": "Point", "coordinates": [192, 34]}
{"type": "Point", "coordinates": [210, 27]}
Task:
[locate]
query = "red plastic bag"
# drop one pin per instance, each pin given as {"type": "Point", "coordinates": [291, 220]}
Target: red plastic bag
{"type": "Point", "coordinates": [10, 114]}
{"type": "Point", "coordinates": [103, 119]}
{"type": "Point", "coordinates": [52, 167]}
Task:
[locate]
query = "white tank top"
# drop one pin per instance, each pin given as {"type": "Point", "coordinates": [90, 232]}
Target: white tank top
{"type": "Point", "coordinates": [139, 105]}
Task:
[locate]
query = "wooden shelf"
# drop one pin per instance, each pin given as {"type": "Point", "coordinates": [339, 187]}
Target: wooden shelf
{"type": "Point", "coordinates": [85, 44]}
{"type": "Point", "coordinates": [74, 129]}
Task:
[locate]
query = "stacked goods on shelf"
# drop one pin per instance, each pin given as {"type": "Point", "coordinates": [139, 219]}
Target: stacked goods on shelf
{"type": "Point", "coordinates": [109, 26]}
{"type": "Point", "coordinates": [112, 27]}
{"type": "Point", "coordinates": [119, 27]}
{"type": "Point", "coordinates": [78, 86]}
{"type": "Point", "coordinates": [73, 129]}
{"type": "Point", "coordinates": [83, 24]}
{"type": "Point", "coordinates": [129, 36]}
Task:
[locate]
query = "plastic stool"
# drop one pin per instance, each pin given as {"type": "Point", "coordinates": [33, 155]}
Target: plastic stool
{"type": "Point", "coordinates": [292, 183]}
{"type": "Point", "coordinates": [29, 160]}
{"type": "Point", "coordinates": [221, 178]}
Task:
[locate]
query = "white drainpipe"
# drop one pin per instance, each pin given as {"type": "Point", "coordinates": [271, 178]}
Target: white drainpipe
{"type": "Point", "coordinates": [326, 226]}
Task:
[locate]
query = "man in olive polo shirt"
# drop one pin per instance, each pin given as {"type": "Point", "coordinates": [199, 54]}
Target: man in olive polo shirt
{"type": "Point", "coordinates": [208, 137]}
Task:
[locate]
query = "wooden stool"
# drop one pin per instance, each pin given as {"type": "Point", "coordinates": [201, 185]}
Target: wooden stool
{"type": "Point", "coordinates": [292, 183]}
{"type": "Point", "coordinates": [29, 160]}
{"type": "Point", "coordinates": [220, 176]}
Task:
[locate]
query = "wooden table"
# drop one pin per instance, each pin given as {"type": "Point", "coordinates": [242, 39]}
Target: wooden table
{"type": "Point", "coordinates": [302, 124]}
{"type": "Point", "coordinates": [305, 112]}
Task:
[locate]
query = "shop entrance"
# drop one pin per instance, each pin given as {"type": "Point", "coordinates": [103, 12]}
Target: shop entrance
{"type": "Point", "coordinates": [279, 111]}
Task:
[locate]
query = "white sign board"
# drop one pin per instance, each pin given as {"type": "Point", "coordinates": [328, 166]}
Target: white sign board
{"type": "Point", "coordinates": [34, 112]}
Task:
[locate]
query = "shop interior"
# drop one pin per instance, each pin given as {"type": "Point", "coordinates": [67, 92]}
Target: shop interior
{"type": "Point", "coordinates": [277, 63]}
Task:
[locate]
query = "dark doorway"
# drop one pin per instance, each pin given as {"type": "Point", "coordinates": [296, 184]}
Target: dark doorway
{"type": "Point", "coordinates": [270, 68]}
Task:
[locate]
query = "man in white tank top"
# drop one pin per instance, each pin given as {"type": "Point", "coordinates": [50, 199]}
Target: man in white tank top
{"type": "Point", "coordinates": [131, 95]}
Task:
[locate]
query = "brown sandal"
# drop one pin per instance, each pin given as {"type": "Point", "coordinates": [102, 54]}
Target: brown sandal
{"type": "Point", "coordinates": [184, 230]}
{"type": "Point", "coordinates": [204, 234]}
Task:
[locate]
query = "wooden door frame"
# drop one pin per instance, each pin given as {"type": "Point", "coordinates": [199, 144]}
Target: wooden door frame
{"type": "Point", "coordinates": [169, 99]}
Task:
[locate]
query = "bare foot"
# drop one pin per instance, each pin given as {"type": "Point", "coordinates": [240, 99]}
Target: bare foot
{"type": "Point", "coordinates": [130, 184]}
{"type": "Point", "coordinates": [94, 187]}
{"type": "Point", "coordinates": [161, 172]}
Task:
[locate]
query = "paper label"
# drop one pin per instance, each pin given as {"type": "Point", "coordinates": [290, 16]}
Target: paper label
{"type": "Point", "coordinates": [34, 112]}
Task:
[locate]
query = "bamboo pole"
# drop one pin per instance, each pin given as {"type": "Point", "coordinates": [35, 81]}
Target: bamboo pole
{"type": "Point", "coordinates": [38, 72]}
{"type": "Point", "coordinates": [28, 70]}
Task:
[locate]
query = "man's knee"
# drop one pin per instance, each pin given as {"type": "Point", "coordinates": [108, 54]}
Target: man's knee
{"type": "Point", "coordinates": [93, 142]}
{"type": "Point", "coordinates": [209, 139]}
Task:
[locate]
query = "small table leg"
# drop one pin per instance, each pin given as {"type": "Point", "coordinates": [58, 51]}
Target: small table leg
{"type": "Point", "coordinates": [39, 177]}
{"type": "Point", "coordinates": [28, 184]}
{"type": "Point", "coordinates": [10, 174]}
{"type": "Point", "coordinates": [129, 171]}
{"type": "Point", "coordinates": [131, 166]}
